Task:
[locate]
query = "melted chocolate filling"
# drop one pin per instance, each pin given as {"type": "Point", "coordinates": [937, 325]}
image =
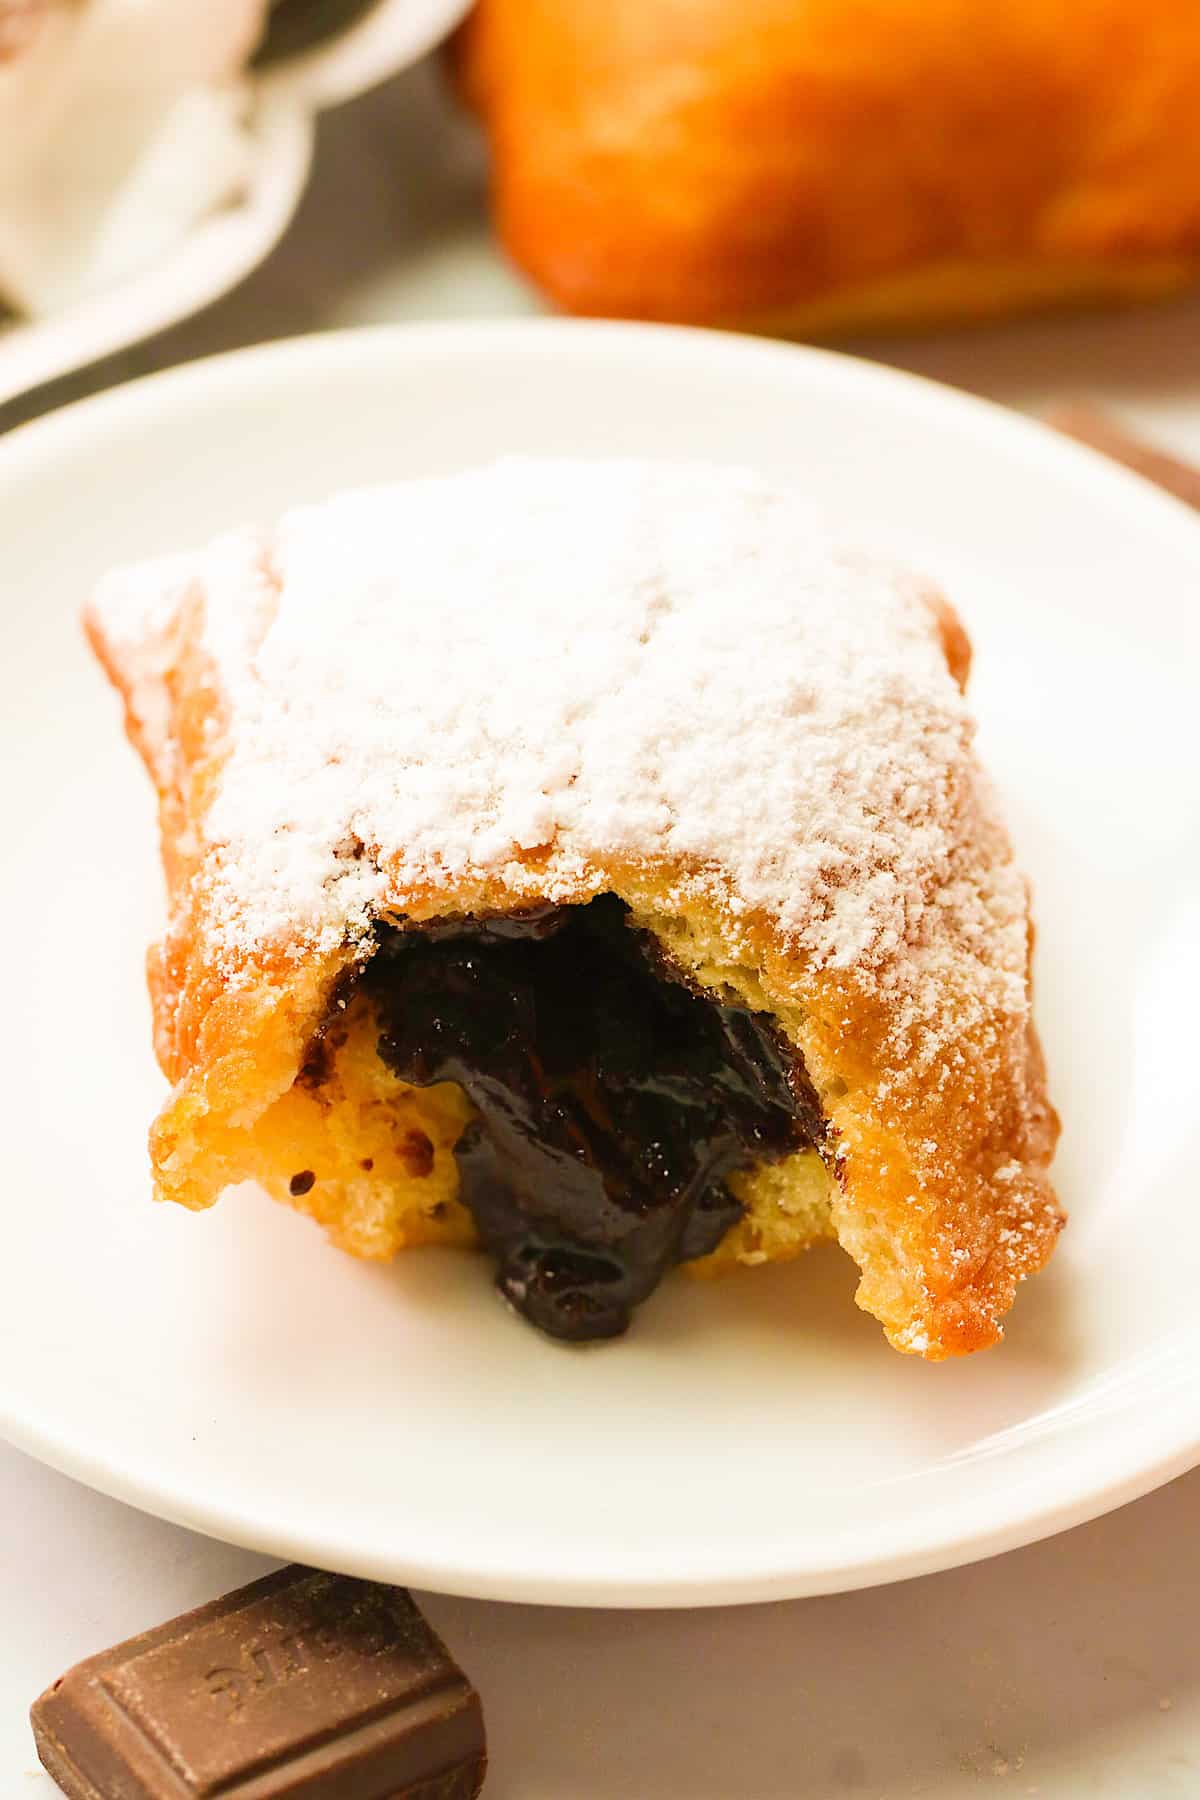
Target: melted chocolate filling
{"type": "Point", "coordinates": [612, 1099]}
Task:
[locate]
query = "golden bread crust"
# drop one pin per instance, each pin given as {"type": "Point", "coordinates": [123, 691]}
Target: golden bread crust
{"type": "Point", "coordinates": [939, 1143]}
{"type": "Point", "coordinates": [832, 167]}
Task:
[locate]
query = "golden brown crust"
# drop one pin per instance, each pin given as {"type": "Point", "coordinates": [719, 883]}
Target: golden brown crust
{"type": "Point", "coordinates": [832, 167]}
{"type": "Point", "coordinates": [940, 1149]}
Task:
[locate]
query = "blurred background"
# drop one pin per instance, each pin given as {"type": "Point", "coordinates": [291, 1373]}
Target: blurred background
{"type": "Point", "coordinates": [1007, 199]}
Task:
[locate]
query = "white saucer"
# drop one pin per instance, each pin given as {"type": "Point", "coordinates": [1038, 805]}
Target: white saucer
{"type": "Point", "coordinates": [748, 1439]}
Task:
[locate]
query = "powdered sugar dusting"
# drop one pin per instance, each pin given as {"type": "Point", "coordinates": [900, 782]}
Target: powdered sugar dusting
{"type": "Point", "coordinates": [661, 663]}
{"type": "Point", "coordinates": [138, 608]}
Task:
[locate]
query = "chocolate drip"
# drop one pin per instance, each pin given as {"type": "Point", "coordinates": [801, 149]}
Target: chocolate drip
{"type": "Point", "coordinates": [613, 1099]}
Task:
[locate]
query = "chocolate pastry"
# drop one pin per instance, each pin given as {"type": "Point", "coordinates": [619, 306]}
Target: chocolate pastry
{"type": "Point", "coordinates": [589, 862]}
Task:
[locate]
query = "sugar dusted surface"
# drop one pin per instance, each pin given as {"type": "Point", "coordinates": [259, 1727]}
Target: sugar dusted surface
{"type": "Point", "coordinates": [650, 662]}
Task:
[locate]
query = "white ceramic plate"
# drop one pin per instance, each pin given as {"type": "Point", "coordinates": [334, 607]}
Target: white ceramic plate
{"type": "Point", "coordinates": [222, 249]}
{"type": "Point", "coordinates": [748, 1439]}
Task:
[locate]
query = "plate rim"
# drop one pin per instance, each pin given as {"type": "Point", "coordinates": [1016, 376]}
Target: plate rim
{"type": "Point", "coordinates": [622, 1592]}
{"type": "Point", "coordinates": [1038, 439]}
{"type": "Point", "coordinates": [1165, 1445]}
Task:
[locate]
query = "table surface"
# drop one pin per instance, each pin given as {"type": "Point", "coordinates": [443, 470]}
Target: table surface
{"type": "Point", "coordinates": [1064, 1670]}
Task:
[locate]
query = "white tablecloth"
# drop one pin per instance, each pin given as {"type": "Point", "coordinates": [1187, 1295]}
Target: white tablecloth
{"type": "Point", "coordinates": [1065, 1670]}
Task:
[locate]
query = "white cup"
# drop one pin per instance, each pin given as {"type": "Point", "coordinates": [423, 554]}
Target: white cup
{"type": "Point", "coordinates": [72, 318]}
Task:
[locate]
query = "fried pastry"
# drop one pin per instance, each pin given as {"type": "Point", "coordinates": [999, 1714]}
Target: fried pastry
{"type": "Point", "coordinates": [833, 167]}
{"type": "Point", "coordinates": [589, 861]}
